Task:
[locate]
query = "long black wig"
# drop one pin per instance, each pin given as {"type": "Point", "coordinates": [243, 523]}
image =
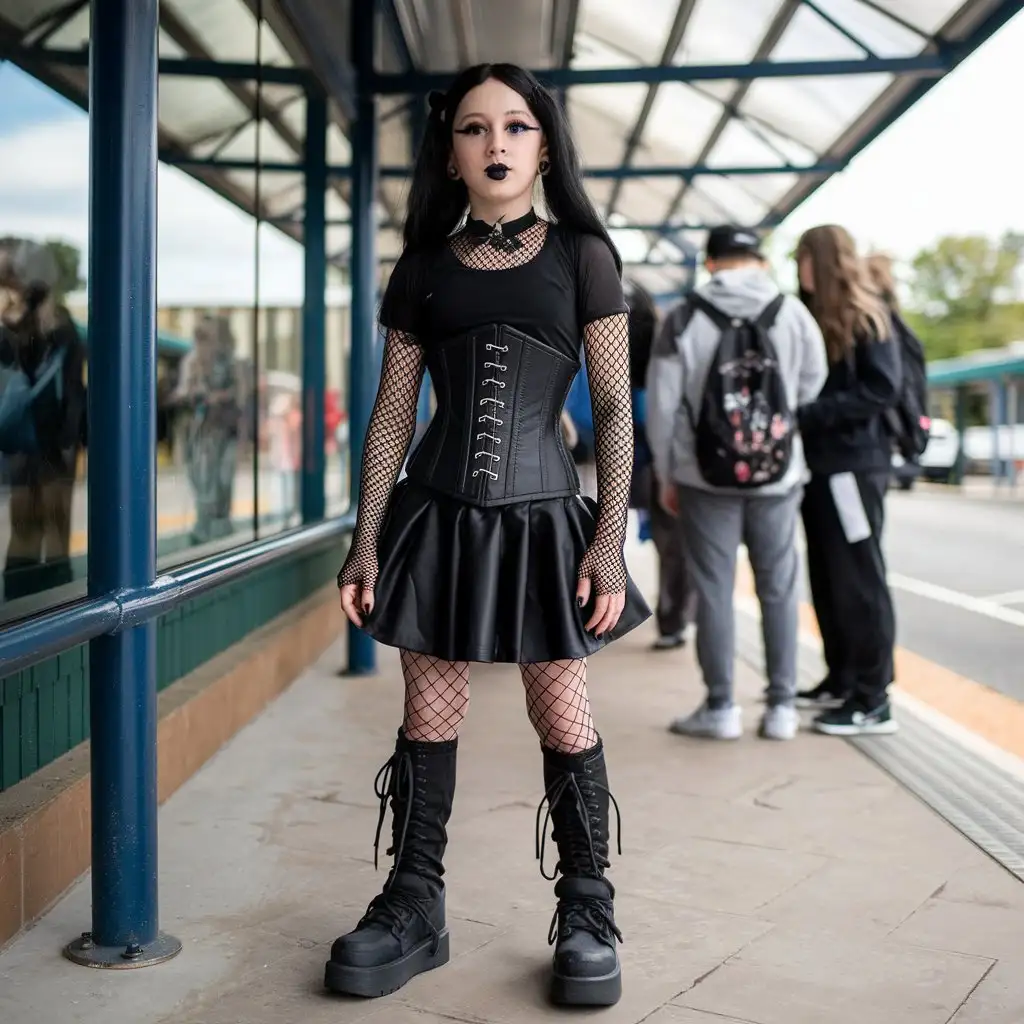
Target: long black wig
{"type": "Point", "coordinates": [437, 204]}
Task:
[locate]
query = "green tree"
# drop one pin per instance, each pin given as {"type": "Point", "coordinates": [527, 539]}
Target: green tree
{"type": "Point", "coordinates": [964, 289]}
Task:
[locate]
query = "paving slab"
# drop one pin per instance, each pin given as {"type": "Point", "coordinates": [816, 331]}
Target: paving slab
{"type": "Point", "coordinates": [761, 883]}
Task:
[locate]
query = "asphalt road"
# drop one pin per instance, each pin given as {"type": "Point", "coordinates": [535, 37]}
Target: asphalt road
{"type": "Point", "coordinates": [956, 567]}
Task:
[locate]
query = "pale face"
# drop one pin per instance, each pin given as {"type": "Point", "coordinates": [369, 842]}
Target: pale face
{"type": "Point", "coordinates": [805, 270]}
{"type": "Point", "coordinates": [493, 127]}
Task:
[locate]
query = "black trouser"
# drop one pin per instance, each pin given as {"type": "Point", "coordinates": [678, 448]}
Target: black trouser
{"type": "Point", "coordinates": [851, 596]}
{"type": "Point", "coordinates": [675, 594]}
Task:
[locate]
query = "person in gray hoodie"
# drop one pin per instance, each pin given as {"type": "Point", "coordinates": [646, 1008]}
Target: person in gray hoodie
{"type": "Point", "coordinates": [716, 519]}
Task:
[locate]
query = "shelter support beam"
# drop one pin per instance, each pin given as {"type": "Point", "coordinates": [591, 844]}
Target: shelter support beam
{"type": "Point", "coordinates": [122, 491]}
{"type": "Point", "coordinates": [314, 312]}
{"type": "Point", "coordinates": [363, 275]}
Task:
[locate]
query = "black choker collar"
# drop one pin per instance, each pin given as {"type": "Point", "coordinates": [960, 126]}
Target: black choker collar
{"type": "Point", "coordinates": [500, 235]}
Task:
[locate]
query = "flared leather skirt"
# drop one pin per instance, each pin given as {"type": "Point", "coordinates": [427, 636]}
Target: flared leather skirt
{"type": "Point", "coordinates": [494, 584]}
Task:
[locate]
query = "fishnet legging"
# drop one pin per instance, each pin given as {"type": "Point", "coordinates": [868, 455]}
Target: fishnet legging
{"type": "Point", "coordinates": [606, 345]}
{"type": "Point", "coordinates": [437, 697]}
{"type": "Point", "coordinates": [388, 436]}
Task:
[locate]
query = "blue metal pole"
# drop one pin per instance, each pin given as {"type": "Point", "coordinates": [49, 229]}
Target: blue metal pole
{"type": "Point", "coordinates": [363, 276]}
{"type": "Point", "coordinates": [314, 311]}
{"type": "Point", "coordinates": [122, 482]}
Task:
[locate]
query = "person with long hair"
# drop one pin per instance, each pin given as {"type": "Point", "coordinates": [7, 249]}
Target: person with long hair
{"type": "Point", "coordinates": [849, 451]}
{"type": "Point", "coordinates": [485, 551]}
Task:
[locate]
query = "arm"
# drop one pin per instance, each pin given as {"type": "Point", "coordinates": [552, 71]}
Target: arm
{"type": "Point", "coordinates": [876, 387]}
{"type": "Point", "coordinates": [666, 382]}
{"type": "Point", "coordinates": [606, 344]}
{"type": "Point", "coordinates": [388, 436]}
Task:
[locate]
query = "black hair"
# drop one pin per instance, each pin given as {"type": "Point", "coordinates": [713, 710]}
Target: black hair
{"type": "Point", "coordinates": [437, 203]}
{"type": "Point", "coordinates": [643, 320]}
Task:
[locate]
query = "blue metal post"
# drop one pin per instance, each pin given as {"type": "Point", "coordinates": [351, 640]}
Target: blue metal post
{"type": "Point", "coordinates": [363, 271]}
{"type": "Point", "coordinates": [122, 482]}
{"type": "Point", "coordinates": [314, 311]}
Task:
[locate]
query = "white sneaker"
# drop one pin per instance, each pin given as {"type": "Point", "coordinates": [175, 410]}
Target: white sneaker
{"type": "Point", "coordinates": [720, 724]}
{"type": "Point", "coordinates": [780, 722]}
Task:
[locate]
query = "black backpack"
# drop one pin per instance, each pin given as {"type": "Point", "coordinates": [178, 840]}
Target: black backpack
{"type": "Point", "coordinates": [907, 420]}
{"type": "Point", "coordinates": [744, 433]}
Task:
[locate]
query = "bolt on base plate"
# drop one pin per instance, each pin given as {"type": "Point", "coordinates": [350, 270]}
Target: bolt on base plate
{"type": "Point", "coordinates": [120, 958]}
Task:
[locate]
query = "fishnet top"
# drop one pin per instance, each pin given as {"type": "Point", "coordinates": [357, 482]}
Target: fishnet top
{"type": "Point", "coordinates": [393, 421]}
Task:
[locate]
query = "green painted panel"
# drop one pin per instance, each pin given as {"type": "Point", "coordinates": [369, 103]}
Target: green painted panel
{"type": "Point", "coordinates": [44, 710]}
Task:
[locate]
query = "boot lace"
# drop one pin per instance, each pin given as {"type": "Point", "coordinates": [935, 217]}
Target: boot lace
{"type": "Point", "coordinates": [568, 783]}
{"type": "Point", "coordinates": [585, 913]}
{"type": "Point", "coordinates": [393, 907]}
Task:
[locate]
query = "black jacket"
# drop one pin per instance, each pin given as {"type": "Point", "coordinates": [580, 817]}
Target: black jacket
{"type": "Point", "coordinates": [844, 428]}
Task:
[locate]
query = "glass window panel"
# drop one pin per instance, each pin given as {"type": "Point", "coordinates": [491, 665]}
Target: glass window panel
{"type": "Point", "coordinates": [813, 110]}
{"type": "Point", "coordinates": [639, 27]}
{"type": "Point", "coordinates": [726, 31]}
{"type": "Point", "coordinates": [680, 122]}
{"type": "Point", "coordinates": [882, 35]}
{"type": "Point", "coordinates": [278, 323]}
{"type": "Point", "coordinates": [810, 37]}
{"type": "Point", "coordinates": [44, 222]}
{"type": "Point", "coordinates": [339, 240]}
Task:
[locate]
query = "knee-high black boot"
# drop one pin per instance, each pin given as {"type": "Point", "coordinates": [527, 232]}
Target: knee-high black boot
{"type": "Point", "coordinates": [586, 968]}
{"type": "Point", "coordinates": [403, 932]}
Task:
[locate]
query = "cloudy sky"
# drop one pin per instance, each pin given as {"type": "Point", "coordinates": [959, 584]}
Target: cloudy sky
{"type": "Point", "coordinates": [951, 165]}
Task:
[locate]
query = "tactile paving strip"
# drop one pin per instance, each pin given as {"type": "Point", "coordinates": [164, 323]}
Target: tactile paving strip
{"type": "Point", "coordinates": [976, 797]}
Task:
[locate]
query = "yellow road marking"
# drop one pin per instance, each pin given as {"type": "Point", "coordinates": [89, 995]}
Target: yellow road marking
{"type": "Point", "coordinates": [985, 712]}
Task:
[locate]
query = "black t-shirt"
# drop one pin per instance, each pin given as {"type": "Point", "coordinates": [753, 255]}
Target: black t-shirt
{"type": "Point", "coordinates": [571, 282]}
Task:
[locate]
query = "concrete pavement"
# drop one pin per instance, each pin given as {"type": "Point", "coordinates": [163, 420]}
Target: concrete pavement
{"type": "Point", "coordinates": [761, 883]}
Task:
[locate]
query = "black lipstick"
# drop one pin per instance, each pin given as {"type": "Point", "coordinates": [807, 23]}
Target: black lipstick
{"type": "Point", "coordinates": [496, 172]}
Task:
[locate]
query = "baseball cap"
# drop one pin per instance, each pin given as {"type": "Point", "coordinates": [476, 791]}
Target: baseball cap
{"type": "Point", "coordinates": [729, 240]}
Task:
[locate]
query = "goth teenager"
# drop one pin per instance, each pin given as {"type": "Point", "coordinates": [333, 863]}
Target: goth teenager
{"type": "Point", "coordinates": [486, 551]}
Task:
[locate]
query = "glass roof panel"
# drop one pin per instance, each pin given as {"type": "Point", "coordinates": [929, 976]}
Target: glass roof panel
{"type": "Point", "coordinates": [195, 107]}
{"type": "Point", "coordinates": [809, 36]}
{"type": "Point", "coordinates": [281, 193]}
{"type": "Point", "coordinates": [813, 110]}
{"type": "Point", "coordinates": [226, 29]}
{"type": "Point", "coordinates": [337, 208]}
{"type": "Point", "coordinates": [338, 149]}
{"type": "Point", "coordinates": [680, 121]}
{"type": "Point", "coordinates": [638, 28]}
{"type": "Point", "coordinates": [739, 146]}
{"type": "Point", "coordinates": [726, 31]}
{"type": "Point", "coordinates": [732, 196]}
{"type": "Point", "coordinates": [927, 15]}
{"type": "Point", "coordinates": [74, 35]}
{"type": "Point", "coordinates": [600, 129]}
{"type": "Point", "coordinates": [167, 47]}
{"type": "Point", "coordinates": [698, 207]}
{"type": "Point", "coordinates": [881, 34]}
{"type": "Point", "coordinates": [645, 200]}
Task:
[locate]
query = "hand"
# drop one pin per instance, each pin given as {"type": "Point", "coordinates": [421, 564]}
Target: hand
{"type": "Point", "coordinates": [668, 498]}
{"type": "Point", "coordinates": [355, 598]}
{"type": "Point", "coordinates": [607, 607]}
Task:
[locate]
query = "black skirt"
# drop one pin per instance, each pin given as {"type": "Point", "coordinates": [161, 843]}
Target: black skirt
{"type": "Point", "coordinates": [495, 584]}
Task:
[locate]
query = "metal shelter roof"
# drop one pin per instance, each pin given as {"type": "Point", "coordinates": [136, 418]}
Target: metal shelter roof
{"type": "Point", "coordinates": [687, 112]}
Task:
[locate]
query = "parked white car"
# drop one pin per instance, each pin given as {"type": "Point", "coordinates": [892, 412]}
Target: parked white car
{"type": "Point", "coordinates": [936, 461]}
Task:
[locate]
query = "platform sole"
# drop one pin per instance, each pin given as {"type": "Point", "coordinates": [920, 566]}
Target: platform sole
{"type": "Point", "coordinates": [372, 982]}
{"type": "Point", "coordinates": [603, 991]}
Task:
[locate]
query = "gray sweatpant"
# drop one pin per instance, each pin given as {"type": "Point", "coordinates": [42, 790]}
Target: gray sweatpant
{"type": "Point", "coordinates": [714, 526]}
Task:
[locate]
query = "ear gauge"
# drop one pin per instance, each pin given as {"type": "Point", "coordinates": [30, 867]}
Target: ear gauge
{"type": "Point", "coordinates": [453, 173]}
{"type": "Point", "coordinates": [544, 166]}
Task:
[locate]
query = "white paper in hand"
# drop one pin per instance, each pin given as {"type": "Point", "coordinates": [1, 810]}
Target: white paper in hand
{"type": "Point", "coordinates": [847, 499]}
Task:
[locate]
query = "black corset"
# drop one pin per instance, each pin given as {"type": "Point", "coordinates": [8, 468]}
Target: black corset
{"type": "Point", "coordinates": [496, 437]}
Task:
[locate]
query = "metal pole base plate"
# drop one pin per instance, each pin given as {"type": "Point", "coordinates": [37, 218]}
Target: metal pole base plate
{"type": "Point", "coordinates": [120, 958]}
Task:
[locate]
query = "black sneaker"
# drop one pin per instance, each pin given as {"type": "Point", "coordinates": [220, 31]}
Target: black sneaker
{"type": "Point", "coordinates": [825, 695]}
{"type": "Point", "coordinates": [853, 720]}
